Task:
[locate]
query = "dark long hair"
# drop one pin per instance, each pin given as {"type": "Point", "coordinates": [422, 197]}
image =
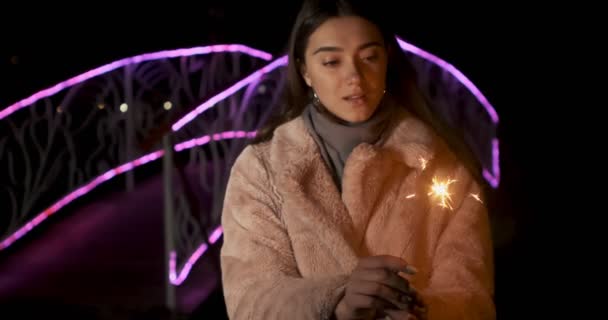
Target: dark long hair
{"type": "Point", "coordinates": [401, 76]}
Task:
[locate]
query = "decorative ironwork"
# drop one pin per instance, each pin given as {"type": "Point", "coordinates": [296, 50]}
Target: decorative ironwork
{"type": "Point", "coordinates": [67, 139]}
{"type": "Point", "coordinates": [70, 137]}
{"type": "Point", "coordinates": [461, 104]}
{"type": "Point", "coordinates": [203, 171]}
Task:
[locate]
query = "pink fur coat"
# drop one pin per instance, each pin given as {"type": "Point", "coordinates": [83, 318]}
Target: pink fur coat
{"type": "Point", "coordinates": [291, 239]}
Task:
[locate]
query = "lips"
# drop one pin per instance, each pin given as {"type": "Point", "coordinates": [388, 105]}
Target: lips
{"type": "Point", "coordinates": [359, 96]}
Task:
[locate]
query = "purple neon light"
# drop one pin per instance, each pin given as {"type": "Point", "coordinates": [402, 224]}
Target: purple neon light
{"type": "Point", "coordinates": [455, 72]}
{"type": "Point", "coordinates": [76, 194]}
{"type": "Point", "coordinates": [216, 137]}
{"type": "Point", "coordinates": [188, 144]}
{"type": "Point", "coordinates": [179, 279]}
{"type": "Point", "coordinates": [216, 235]}
{"type": "Point", "coordinates": [174, 277]}
{"type": "Point", "coordinates": [132, 60]}
{"type": "Point", "coordinates": [224, 94]}
{"type": "Point", "coordinates": [111, 174]}
{"type": "Point", "coordinates": [179, 147]}
{"type": "Point", "coordinates": [492, 177]}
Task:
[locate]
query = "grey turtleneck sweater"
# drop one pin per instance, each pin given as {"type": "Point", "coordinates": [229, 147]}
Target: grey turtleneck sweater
{"type": "Point", "coordinates": [336, 138]}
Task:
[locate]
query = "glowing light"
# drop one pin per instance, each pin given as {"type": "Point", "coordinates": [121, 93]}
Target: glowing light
{"type": "Point", "coordinates": [423, 162]}
{"type": "Point", "coordinates": [124, 107]}
{"type": "Point", "coordinates": [109, 175]}
{"type": "Point", "coordinates": [128, 61]}
{"type": "Point", "coordinates": [441, 193]}
{"type": "Point", "coordinates": [178, 278]}
{"type": "Point", "coordinates": [76, 194]}
{"type": "Point", "coordinates": [167, 105]}
{"type": "Point", "coordinates": [231, 90]}
{"type": "Point", "coordinates": [493, 177]}
{"type": "Point", "coordinates": [455, 72]}
{"type": "Point", "coordinates": [215, 235]}
{"type": "Point", "coordinates": [100, 106]}
{"type": "Point", "coordinates": [476, 197]}
{"type": "Point", "coordinates": [410, 196]}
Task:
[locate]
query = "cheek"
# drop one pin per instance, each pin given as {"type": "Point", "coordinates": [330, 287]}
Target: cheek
{"type": "Point", "coordinates": [377, 75]}
{"type": "Point", "coordinates": [325, 83]}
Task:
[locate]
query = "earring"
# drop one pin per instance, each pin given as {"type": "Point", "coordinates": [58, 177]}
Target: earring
{"type": "Point", "coordinates": [315, 99]}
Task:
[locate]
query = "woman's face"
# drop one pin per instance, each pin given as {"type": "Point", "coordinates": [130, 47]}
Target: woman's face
{"type": "Point", "coordinates": [345, 64]}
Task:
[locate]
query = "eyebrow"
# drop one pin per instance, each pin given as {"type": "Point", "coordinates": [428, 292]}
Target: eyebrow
{"type": "Point", "coordinates": [337, 49]}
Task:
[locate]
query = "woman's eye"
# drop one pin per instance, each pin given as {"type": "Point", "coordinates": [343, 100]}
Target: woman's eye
{"type": "Point", "coordinates": [371, 58]}
{"type": "Point", "coordinates": [330, 63]}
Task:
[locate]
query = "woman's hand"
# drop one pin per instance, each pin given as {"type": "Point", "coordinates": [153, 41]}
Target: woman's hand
{"type": "Point", "coordinates": [375, 286]}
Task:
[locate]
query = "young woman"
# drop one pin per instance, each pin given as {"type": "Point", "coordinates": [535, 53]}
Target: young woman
{"type": "Point", "coordinates": [355, 202]}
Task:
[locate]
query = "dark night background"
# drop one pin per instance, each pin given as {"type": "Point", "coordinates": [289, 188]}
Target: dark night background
{"type": "Point", "coordinates": [506, 56]}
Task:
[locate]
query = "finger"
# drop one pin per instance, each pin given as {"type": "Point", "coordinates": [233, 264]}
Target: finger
{"type": "Point", "coordinates": [417, 299]}
{"type": "Point", "coordinates": [395, 297]}
{"type": "Point", "coordinates": [410, 269]}
{"type": "Point", "coordinates": [392, 263]}
{"type": "Point", "coordinates": [384, 277]}
{"type": "Point", "coordinates": [418, 306]}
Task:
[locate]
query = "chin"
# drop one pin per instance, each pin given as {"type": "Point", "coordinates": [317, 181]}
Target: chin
{"type": "Point", "coordinates": [359, 117]}
{"type": "Point", "coordinates": [355, 113]}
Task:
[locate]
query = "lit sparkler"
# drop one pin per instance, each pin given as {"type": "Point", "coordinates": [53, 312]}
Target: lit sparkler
{"type": "Point", "coordinates": [440, 192]}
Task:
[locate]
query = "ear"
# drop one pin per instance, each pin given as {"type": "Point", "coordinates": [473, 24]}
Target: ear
{"type": "Point", "coordinates": [305, 74]}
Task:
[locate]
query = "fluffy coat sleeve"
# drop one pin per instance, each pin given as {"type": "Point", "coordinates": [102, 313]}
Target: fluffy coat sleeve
{"type": "Point", "coordinates": [259, 272]}
{"type": "Point", "coordinates": [461, 282]}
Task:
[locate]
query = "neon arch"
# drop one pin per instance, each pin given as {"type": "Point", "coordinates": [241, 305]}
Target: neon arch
{"type": "Point", "coordinates": [177, 277]}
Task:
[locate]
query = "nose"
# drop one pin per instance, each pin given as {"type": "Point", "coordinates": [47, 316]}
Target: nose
{"type": "Point", "coordinates": [353, 73]}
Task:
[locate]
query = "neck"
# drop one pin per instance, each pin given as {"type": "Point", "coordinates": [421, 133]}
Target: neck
{"type": "Point", "coordinates": [337, 138]}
